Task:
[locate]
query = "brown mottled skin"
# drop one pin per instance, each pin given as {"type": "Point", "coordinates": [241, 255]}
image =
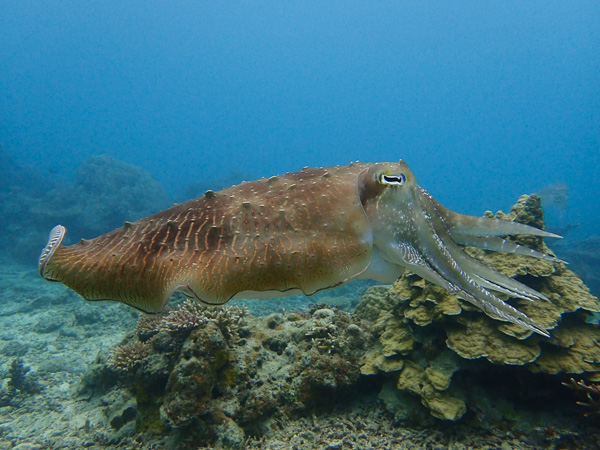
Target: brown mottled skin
{"type": "Point", "coordinates": [300, 230]}
{"type": "Point", "coordinates": [306, 231]}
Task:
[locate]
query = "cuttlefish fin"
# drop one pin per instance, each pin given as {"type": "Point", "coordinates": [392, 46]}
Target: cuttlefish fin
{"type": "Point", "coordinates": [97, 278]}
{"type": "Point", "coordinates": [57, 234]}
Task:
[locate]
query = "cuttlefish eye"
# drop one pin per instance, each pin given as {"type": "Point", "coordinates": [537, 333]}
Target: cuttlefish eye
{"type": "Point", "coordinates": [393, 180]}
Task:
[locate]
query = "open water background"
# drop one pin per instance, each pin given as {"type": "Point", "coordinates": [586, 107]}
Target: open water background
{"type": "Point", "coordinates": [484, 100]}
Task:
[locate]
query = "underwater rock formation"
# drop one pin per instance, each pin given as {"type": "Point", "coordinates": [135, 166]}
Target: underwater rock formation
{"type": "Point", "coordinates": [417, 324]}
{"type": "Point", "coordinates": [17, 383]}
{"type": "Point", "coordinates": [105, 193]}
{"type": "Point", "coordinates": [217, 375]}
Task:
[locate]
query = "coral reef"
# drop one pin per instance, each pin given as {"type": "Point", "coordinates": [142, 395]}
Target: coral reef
{"type": "Point", "coordinates": [218, 375]}
{"type": "Point", "coordinates": [105, 193]}
{"type": "Point", "coordinates": [124, 358]}
{"type": "Point", "coordinates": [393, 374]}
{"type": "Point", "coordinates": [417, 324]}
{"type": "Point", "coordinates": [591, 394]}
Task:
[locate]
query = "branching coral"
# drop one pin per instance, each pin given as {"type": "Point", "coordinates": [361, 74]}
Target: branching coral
{"type": "Point", "coordinates": [227, 319]}
{"type": "Point", "coordinates": [149, 324]}
{"type": "Point", "coordinates": [189, 315]}
{"type": "Point", "coordinates": [323, 333]}
{"type": "Point", "coordinates": [124, 358]}
{"type": "Point", "coordinates": [591, 393]}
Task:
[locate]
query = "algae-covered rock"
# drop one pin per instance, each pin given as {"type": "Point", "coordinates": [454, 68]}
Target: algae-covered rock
{"type": "Point", "coordinates": [477, 338]}
{"type": "Point", "coordinates": [212, 379]}
{"type": "Point", "coordinates": [575, 349]}
{"type": "Point", "coordinates": [442, 405]}
{"type": "Point", "coordinates": [189, 390]}
{"type": "Point", "coordinates": [375, 300]}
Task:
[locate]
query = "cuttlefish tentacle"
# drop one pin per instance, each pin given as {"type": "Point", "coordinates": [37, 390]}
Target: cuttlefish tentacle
{"type": "Point", "coordinates": [299, 232]}
{"type": "Point", "coordinates": [484, 232]}
{"type": "Point", "coordinates": [414, 261]}
{"type": "Point", "coordinates": [457, 267]}
{"type": "Point", "coordinates": [463, 224]}
{"type": "Point", "coordinates": [482, 273]}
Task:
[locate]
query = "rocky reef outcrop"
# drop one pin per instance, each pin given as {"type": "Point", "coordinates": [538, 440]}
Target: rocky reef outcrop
{"type": "Point", "coordinates": [104, 194]}
{"type": "Point", "coordinates": [217, 376]}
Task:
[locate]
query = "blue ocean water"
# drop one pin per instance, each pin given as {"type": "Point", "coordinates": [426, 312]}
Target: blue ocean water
{"type": "Point", "coordinates": [484, 100]}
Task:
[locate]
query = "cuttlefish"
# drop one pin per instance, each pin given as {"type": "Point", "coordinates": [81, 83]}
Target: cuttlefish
{"type": "Point", "coordinates": [299, 232]}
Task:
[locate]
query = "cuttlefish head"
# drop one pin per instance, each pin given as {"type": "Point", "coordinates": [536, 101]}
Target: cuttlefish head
{"type": "Point", "coordinates": [413, 231]}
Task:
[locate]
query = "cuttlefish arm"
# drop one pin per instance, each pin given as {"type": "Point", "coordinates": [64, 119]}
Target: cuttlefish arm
{"type": "Point", "coordinates": [413, 230]}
